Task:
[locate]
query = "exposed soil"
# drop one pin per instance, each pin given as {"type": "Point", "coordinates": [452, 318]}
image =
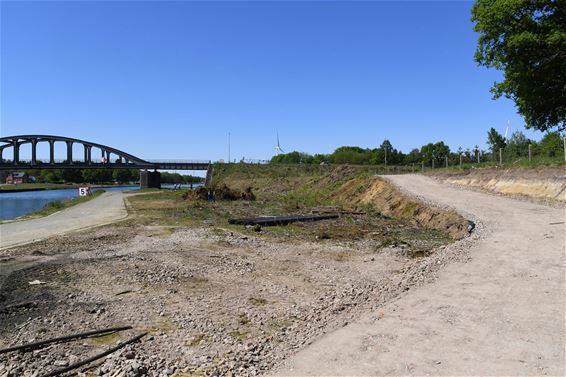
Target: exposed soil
{"type": "Point", "coordinates": [219, 299]}
{"type": "Point", "coordinates": [215, 302]}
{"type": "Point", "coordinates": [500, 314]}
{"type": "Point", "coordinates": [545, 185]}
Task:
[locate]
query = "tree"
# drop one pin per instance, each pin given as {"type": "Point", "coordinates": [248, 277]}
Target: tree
{"type": "Point", "coordinates": [437, 151]}
{"type": "Point", "coordinates": [413, 157]}
{"type": "Point", "coordinates": [72, 175]}
{"type": "Point", "coordinates": [552, 145]}
{"type": "Point", "coordinates": [121, 175]}
{"type": "Point", "coordinates": [518, 145]}
{"type": "Point", "coordinates": [527, 40]}
{"type": "Point", "coordinates": [495, 140]}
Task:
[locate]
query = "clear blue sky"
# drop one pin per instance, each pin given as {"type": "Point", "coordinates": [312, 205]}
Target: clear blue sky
{"type": "Point", "coordinates": [171, 79]}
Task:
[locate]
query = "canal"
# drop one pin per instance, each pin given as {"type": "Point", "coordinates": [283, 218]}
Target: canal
{"type": "Point", "coordinates": [16, 204]}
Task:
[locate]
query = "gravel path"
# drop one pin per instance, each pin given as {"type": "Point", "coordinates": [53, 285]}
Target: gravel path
{"type": "Point", "coordinates": [106, 208]}
{"type": "Point", "coordinates": [501, 313]}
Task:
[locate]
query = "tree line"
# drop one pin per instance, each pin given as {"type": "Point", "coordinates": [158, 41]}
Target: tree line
{"type": "Point", "coordinates": [101, 176]}
{"type": "Point", "coordinates": [435, 154]}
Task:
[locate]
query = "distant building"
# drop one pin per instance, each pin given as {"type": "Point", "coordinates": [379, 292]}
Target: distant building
{"type": "Point", "coordinates": [16, 178]}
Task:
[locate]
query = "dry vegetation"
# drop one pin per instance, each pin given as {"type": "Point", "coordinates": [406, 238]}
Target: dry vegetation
{"type": "Point", "coordinates": [220, 299]}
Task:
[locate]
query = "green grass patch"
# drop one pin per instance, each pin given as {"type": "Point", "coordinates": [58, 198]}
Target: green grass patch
{"type": "Point", "coordinates": [38, 186]}
{"type": "Point", "coordinates": [105, 339]}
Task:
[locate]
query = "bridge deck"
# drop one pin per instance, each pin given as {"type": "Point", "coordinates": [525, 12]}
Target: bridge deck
{"type": "Point", "coordinates": [166, 165]}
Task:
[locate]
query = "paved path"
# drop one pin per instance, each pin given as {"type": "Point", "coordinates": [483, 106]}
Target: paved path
{"type": "Point", "coordinates": [502, 313]}
{"type": "Point", "coordinates": [106, 208]}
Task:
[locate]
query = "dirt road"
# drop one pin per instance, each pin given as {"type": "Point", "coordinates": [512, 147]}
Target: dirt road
{"type": "Point", "coordinates": [501, 313]}
{"type": "Point", "coordinates": [104, 209]}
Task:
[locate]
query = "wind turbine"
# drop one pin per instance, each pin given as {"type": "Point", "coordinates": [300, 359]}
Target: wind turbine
{"type": "Point", "coordinates": [507, 130]}
{"type": "Point", "coordinates": [278, 149]}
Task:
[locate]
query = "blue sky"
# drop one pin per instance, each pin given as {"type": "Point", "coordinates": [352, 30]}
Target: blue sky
{"type": "Point", "coordinates": [172, 79]}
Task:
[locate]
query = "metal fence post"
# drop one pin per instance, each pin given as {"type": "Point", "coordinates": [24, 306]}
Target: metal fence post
{"type": "Point", "coordinates": [446, 157]}
{"type": "Point", "coordinates": [530, 154]}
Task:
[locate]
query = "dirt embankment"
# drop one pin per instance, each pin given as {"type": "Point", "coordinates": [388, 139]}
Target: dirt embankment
{"type": "Point", "coordinates": [389, 201]}
{"type": "Point", "coordinates": [349, 186]}
{"type": "Point", "coordinates": [546, 184]}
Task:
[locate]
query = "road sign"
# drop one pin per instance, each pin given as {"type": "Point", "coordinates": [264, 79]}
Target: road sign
{"type": "Point", "coordinates": [84, 191]}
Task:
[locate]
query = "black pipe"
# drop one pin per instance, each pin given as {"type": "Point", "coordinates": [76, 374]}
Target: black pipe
{"type": "Point", "coordinates": [281, 220]}
{"type": "Point", "coordinates": [93, 358]}
{"type": "Point", "coordinates": [61, 338]}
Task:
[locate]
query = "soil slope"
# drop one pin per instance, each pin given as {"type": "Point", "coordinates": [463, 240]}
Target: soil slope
{"type": "Point", "coordinates": [545, 184]}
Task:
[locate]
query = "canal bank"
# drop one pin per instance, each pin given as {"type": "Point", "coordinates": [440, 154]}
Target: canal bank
{"type": "Point", "coordinates": [21, 203]}
{"type": "Point", "coordinates": [105, 209]}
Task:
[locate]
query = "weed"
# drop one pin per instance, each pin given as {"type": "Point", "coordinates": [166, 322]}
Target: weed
{"type": "Point", "coordinates": [258, 301]}
{"type": "Point", "coordinates": [105, 339]}
{"type": "Point", "coordinates": [239, 334]}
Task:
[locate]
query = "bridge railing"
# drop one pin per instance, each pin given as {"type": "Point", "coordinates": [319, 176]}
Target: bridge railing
{"type": "Point", "coordinates": [172, 161]}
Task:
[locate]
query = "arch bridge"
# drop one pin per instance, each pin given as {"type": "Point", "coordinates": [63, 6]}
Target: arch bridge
{"type": "Point", "coordinates": [109, 157]}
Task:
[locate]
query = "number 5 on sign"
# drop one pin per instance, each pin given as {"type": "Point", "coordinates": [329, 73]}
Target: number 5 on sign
{"type": "Point", "coordinates": [84, 191]}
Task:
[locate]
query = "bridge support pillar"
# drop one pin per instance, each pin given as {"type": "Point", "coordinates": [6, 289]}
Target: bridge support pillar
{"type": "Point", "coordinates": [150, 179]}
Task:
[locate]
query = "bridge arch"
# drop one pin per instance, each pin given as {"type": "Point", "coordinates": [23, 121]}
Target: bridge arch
{"type": "Point", "coordinates": [110, 157]}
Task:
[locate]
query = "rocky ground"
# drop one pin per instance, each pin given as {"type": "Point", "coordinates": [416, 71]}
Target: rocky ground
{"type": "Point", "coordinates": [213, 301]}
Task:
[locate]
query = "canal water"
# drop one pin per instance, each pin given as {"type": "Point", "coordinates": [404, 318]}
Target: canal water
{"type": "Point", "coordinates": [16, 204]}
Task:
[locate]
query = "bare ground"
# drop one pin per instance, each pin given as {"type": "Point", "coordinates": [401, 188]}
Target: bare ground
{"type": "Point", "coordinates": [215, 302]}
{"type": "Point", "coordinates": [501, 313]}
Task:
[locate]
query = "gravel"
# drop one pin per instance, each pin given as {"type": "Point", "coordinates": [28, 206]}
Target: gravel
{"type": "Point", "coordinates": [214, 302]}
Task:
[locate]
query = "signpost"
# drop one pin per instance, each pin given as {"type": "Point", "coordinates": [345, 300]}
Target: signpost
{"type": "Point", "coordinates": [84, 191]}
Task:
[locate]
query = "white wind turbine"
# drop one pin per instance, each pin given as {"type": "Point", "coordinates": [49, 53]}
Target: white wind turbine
{"type": "Point", "coordinates": [278, 149]}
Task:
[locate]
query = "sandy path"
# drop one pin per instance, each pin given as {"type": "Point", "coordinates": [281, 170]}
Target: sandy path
{"type": "Point", "coordinates": [502, 313]}
{"type": "Point", "coordinates": [106, 208]}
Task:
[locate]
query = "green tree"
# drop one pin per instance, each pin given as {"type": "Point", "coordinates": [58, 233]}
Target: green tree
{"type": "Point", "coordinates": [72, 175]}
{"type": "Point", "coordinates": [552, 145]}
{"type": "Point", "coordinates": [518, 145]}
{"type": "Point", "coordinates": [121, 175]}
{"type": "Point", "coordinates": [527, 40]}
{"type": "Point", "coordinates": [495, 141]}
{"type": "Point", "coordinates": [413, 157]}
{"type": "Point", "coordinates": [437, 152]}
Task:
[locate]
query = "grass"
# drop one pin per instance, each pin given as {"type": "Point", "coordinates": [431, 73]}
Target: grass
{"type": "Point", "coordinates": [105, 339]}
{"type": "Point", "coordinates": [38, 186]}
{"type": "Point", "coordinates": [508, 163]}
{"type": "Point", "coordinates": [163, 325]}
{"type": "Point", "coordinates": [198, 339]}
{"type": "Point", "coordinates": [240, 334]}
{"type": "Point", "coordinates": [282, 190]}
{"type": "Point", "coordinates": [258, 301]}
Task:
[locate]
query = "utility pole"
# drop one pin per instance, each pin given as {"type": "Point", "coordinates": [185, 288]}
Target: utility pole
{"type": "Point", "coordinates": [446, 157]}
{"type": "Point", "coordinates": [433, 163]}
{"type": "Point", "coordinates": [478, 154]}
{"type": "Point", "coordinates": [501, 156]}
{"type": "Point", "coordinates": [530, 154]}
{"type": "Point", "coordinates": [460, 160]}
{"type": "Point", "coordinates": [385, 155]}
